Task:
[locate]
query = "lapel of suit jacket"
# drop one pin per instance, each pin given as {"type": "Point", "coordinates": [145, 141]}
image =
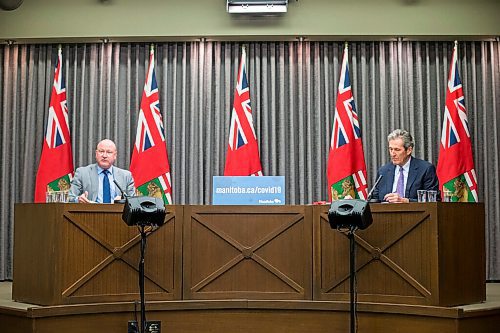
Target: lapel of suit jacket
{"type": "Point", "coordinates": [117, 176]}
{"type": "Point", "coordinates": [94, 182]}
{"type": "Point", "coordinates": [390, 178]}
{"type": "Point", "coordinates": [412, 175]}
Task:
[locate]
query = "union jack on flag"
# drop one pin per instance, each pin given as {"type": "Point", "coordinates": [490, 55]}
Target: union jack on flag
{"type": "Point", "coordinates": [243, 152]}
{"type": "Point", "coordinates": [150, 108]}
{"type": "Point", "coordinates": [55, 170]}
{"type": "Point", "coordinates": [449, 134]}
{"type": "Point", "coordinates": [455, 168]}
{"type": "Point", "coordinates": [149, 165]}
{"type": "Point", "coordinates": [346, 162]}
{"type": "Point", "coordinates": [454, 108]}
{"type": "Point", "coordinates": [57, 125]}
{"type": "Point", "coordinates": [237, 136]}
{"type": "Point", "coordinates": [345, 112]}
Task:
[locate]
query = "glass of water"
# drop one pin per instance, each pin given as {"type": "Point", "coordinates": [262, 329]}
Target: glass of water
{"type": "Point", "coordinates": [422, 195]}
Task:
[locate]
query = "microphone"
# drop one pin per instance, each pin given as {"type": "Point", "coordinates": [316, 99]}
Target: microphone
{"type": "Point", "coordinates": [124, 195]}
{"type": "Point", "coordinates": [369, 198]}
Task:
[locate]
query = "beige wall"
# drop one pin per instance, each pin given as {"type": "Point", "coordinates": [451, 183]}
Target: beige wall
{"type": "Point", "coordinates": [86, 20]}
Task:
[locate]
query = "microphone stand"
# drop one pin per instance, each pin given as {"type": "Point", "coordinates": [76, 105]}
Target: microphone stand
{"type": "Point", "coordinates": [142, 230]}
{"type": "Point", "coordinates": [352, 266]}
{"type": "Point", "coordinates": [352, 278]}
{"type": "Point", "coordinates": [122, 200]}
{"type": "Point", "coordinates": [369, 197]}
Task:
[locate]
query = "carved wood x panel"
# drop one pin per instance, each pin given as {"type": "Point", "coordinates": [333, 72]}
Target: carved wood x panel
{"type": "Point", "coordinates": [396, 258]}
{"type": "Point", "coordinates": [101, 255]}
{"type": "Point", "coordinates": [247, 252]}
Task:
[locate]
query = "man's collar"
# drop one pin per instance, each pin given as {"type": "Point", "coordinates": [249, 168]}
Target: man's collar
{"type": "Point", "coordinates": [100, 170]}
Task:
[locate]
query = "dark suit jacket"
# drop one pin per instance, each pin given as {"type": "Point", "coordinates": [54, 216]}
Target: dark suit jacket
{"type": "Point", "coordinates": [87, 179]}
{"type": "Point", "coordinates": [422, 176]}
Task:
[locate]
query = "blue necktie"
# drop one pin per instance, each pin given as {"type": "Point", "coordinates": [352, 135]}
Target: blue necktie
{"type": "Point", "coordinates": [400, 189]}
{"type": "Point", "coordinates": [106, 190]}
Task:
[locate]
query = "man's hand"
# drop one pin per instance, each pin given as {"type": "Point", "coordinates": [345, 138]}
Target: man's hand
{"type": "Point", "coordinates": [395, 198]}
{"type": "Point", "coordinates": [83, 198]}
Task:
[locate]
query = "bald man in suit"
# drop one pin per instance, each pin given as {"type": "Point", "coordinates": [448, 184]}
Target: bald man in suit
{"type": "Point", "coordinates": [87, 184]}
{"type": "Point", "coordinates": [416, 175]}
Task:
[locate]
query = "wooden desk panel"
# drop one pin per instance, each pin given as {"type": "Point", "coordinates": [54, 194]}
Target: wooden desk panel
{"type": "Point", "coordinates": [247, 252]}
{"type": "Point", "coordinates": [430, 253]}
{"type": "Point", "coordinates": [78, 253]}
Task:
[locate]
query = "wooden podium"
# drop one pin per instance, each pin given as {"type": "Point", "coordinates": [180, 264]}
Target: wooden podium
{"type": "Point", "coordinates": [417, 253]}
{"type": "Point", "coordinates": [85, 253]}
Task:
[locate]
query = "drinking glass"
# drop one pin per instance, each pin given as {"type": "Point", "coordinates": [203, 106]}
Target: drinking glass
{"type": "Point", "coordinates": [422, 195]}
{"type": "Point", "coordinates": [431, 196]}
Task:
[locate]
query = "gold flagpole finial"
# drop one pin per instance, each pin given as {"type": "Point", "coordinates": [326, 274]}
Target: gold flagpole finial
{"type": "Point", "coordinates": [152, 47]}
{"type": "Point", "coordinates": [456, 43]}
{"type": "Point", "coordinates": [346, 44]}
{"type": "Point", "coordinates": [59, 47]}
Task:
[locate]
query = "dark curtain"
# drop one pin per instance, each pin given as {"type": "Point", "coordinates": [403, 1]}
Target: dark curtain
{"type": "Point", "coordinates": [293, 92]}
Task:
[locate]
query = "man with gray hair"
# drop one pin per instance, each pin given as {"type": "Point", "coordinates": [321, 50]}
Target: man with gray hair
{"type": "Point", "coordinates": [404, 175]}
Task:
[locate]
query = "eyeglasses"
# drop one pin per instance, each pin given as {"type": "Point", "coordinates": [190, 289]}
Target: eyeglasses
{"type": "Point", "coordinates": [107, 152]}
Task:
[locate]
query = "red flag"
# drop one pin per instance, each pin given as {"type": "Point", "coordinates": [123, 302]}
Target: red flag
{"type": "Point", "coordinates": [346, 160]}
{"type": "Point", "coordinates": [149, 166]}
{"type": "Point", "coordinates": [455, 168]}
{"type": "Point", "coordinates": [242, 151]}
{"type": "Point", "coordinates": [55, 170]}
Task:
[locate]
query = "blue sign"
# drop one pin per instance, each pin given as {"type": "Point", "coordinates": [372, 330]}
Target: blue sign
{"type": "Point", "coordinates": [251, 190]}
